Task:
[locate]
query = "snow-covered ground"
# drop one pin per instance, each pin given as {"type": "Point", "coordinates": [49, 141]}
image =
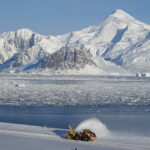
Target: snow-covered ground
{"type": "Point", "coordinates": [73, 90]}
{"type": "Point", "coordinates": [124, 121]}
{"type": "Point", "coordinates": [23, 137]}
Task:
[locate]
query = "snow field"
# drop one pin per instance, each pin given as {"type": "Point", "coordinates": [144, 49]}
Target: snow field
{"type": "Point", "coordinates": [16, 137]}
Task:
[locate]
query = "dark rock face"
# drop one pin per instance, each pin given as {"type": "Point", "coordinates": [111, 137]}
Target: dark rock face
{"type": "Point", "coordinates": [67, 58]}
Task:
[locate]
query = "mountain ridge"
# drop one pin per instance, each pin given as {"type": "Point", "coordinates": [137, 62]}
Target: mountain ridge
{"type": "Point", "coordinates": [120, 40]}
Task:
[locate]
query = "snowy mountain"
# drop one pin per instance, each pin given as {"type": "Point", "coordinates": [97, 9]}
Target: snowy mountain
{"type": "Point", "coordinates": [70, 60]}
{"type": "Point", "coordinates": [26, 43]}
{"type": "Point", "coordinates": [67, 58]}
{"type": "Point", "coordinates": [120, 41]}
{"type": "Point", "coordinates": [64, 60]}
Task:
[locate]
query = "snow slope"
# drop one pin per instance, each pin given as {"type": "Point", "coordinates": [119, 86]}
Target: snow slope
{"type": "Point", "coordinates": [16, 137]}
{"type": "Point", "coordinates": [120, 41]}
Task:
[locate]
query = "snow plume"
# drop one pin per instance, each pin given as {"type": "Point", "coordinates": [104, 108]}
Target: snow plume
{"type": "Point", "coordinates": [96, 126]}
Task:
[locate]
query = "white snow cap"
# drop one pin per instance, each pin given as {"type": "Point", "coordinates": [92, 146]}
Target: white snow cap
{"type": "Point", "coordinates": [24, 30]}
{"type": "Point", "coordinates": [120, 13]}
{"type": "Point", "coordinates": [24, 33]}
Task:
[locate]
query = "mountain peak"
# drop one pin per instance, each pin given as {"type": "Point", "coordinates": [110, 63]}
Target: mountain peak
{"type": "Point", "coordinates": [120, 14]}
{"type": "Point", "coordinates": [25, 33]}
{"type": "Point", "coordinates": [120, 11]}
{"type": "Point", "coordinates": [25, 30]}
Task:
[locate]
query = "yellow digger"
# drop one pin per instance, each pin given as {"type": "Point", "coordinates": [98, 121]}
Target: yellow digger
{"type": "Point", "coordinates": [85, 135]}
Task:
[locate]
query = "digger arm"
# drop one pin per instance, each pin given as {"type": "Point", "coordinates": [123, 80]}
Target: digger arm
{"type": "Point", "coordinates": [70, 129]}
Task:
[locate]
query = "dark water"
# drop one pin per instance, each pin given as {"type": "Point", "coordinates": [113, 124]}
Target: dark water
{"type": "Point", "coordinates": [129, 119]}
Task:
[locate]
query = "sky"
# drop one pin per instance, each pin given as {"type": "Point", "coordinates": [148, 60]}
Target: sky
{"type": "Point", "coordinates": [56, 17]}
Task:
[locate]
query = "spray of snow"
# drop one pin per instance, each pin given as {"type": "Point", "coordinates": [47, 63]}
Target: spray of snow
{"type": "Point", "coordinates": [96, 126]}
